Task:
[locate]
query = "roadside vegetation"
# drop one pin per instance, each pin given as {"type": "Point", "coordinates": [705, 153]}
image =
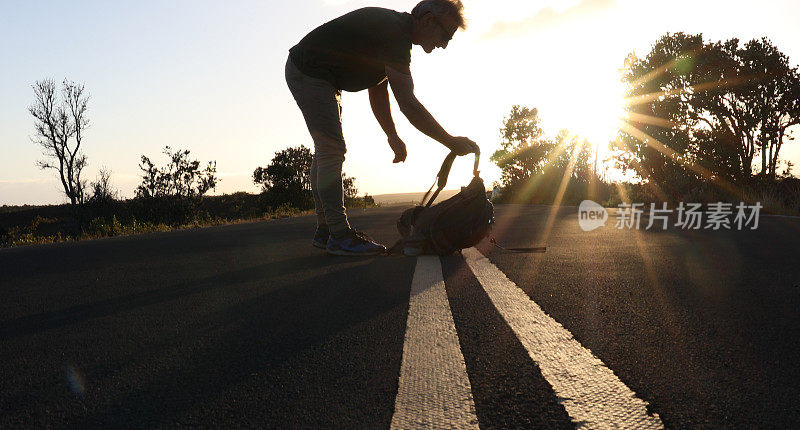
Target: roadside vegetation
{"type": "Point", "coordinates": [705, 121]}
{"type": "Point", "coordinates": [172, 196]}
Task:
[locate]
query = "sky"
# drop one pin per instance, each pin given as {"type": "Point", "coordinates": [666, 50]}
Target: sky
{"type": "Point", "coordinates": [207, 76]}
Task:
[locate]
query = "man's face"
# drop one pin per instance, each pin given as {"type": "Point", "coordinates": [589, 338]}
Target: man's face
{"type": "Point", "coordinates": [437, 32]}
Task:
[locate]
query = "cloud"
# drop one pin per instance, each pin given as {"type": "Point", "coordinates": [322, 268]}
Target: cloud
{"type": "Point", "coordinates": [548, 17]}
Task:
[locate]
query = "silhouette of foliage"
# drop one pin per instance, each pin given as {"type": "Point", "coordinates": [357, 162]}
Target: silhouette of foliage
{"type": "Point", "coordinates": [287, 179]}
{"type": "Point", "coordinates": [523, 149]}
{"type": "Point", "coordinates": [290, 169]}
{"type": "Point", "coordinates": [101, 191]}
{"type": "Point", "coordinates": [60, 123]}
{"type": "Point", "coordinates": [533, 165]}
{"type": "Point", "coordinates": [172, 194]}
{"type": "Point", "coordinates": [349, 186]}
{"type": "Point", "coordinates": [703, 111]}
{"type": "Point", "coordinates": [181, 177]}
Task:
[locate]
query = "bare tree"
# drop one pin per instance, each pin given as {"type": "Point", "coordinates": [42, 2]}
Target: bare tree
{"type": "Point", "coordinates": [59, 131]}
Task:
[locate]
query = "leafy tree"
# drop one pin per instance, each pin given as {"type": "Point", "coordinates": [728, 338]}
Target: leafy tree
{"type": "Point", "coordinates": [349, 186]}
{"type": "Point", "coordinates": [570, 154]}
{"type": "Point", "coordinates": [287, 178]}
{"type": "Point", "coordinates": [181, 177]}
{"type": "Point", "coordinates": [523, 149]}
{"type": "Point", "coordinates": [760, 106]}
{"type": "Point", "coordinates": [702, 111]}
{"type": "Point", "coordinates": [659, 113]}
{"type": "Point", "coordinates": [60, 123]}
{"type": "Point", "coordinates": [533, 165]}
{"type": "Point", "coordinates": [290, 169]}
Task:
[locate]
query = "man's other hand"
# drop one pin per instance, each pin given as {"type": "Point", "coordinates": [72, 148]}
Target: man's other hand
{"type": "Point", "coordinates": [399, 148]}
{"type": "Point", "coordinates": [463, 146]}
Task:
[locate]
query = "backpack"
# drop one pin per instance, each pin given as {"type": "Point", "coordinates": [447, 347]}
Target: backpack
{"type": "Point", "coordinates": [459, 222]}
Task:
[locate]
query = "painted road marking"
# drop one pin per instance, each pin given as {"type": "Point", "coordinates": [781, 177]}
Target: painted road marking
{"type": "Point", "coordinates": [589, 391]}
{"type": "Point", "coordinates": [434, 390]}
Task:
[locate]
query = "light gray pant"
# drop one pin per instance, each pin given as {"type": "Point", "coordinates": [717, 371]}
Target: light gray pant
{"type": "Point", "coordinates": [321, 104]}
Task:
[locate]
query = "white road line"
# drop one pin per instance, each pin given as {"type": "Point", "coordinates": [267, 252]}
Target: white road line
{"type": "Point", "coordinates": [434, 390]}
{"type": "Point", "coordinates": [589, 391]}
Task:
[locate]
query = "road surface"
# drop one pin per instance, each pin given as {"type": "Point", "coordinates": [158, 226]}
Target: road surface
{"type": "Point", "coordinates": [250, 325]}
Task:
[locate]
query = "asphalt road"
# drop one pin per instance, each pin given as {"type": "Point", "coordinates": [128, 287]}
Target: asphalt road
{"type": "Point", "coordinates": [250, 325]}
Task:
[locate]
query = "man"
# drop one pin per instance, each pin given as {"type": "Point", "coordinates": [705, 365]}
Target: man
{"type": "Point", "coordinates": [369, 48]}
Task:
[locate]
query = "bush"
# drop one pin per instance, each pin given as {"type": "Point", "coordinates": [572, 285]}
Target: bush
{"type": "Point", "coordinates": [28, 234]}
{"type": "Point", "coordinates": [181, 177]}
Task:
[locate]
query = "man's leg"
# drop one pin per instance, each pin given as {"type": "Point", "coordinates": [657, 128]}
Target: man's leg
{"type": "Point", "coordinates": [317, 201]}
{"type": "Point", "coordinates": [327, 183]}
{"type": "Point", "coordinates": [320, 103]}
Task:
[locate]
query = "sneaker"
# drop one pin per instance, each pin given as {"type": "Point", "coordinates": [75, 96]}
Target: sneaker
{"type": "Point", "coordinates": [354, 243]}
{"type": "Point", "coordinates": [321, 237]}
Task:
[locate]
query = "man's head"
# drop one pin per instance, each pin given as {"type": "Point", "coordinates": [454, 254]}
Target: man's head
{"type": "Point", "coordinates": [435, 22]}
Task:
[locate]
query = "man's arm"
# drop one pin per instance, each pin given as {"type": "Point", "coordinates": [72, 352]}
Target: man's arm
{"type": "Point", "coordinates": [419, 117]}
{"type": "Point", "coordinates": [379, 101]}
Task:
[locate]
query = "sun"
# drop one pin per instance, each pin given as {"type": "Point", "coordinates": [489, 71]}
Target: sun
{"type": "Point", "coordinates": [596, 115]}
{"type": "Point", "coordinates": [600, 120]}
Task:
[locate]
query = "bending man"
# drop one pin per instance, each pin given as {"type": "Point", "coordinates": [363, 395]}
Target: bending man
{"type": "Point", "coordinates": [369, 48]}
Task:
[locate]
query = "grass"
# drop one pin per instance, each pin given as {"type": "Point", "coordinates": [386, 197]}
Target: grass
{"type": "Point", "coordinates": [774, 202]}
{"type": "Point", "coordinates": [31, 225]}
{"type": "Point", "coordinates": [98, 227]}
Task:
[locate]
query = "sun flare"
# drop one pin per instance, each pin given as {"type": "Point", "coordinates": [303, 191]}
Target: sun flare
{"type": "Point", "coordinates": [596, 116]}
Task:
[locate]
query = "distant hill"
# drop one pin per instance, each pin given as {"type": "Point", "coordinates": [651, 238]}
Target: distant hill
{"type": "Point", "coordinates": [409, 198]}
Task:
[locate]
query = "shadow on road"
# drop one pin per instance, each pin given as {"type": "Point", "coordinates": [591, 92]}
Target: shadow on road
{"type": "Point", "coordinates": [75, 314]}
{"type": "Point", "coordinates": [249, 350]}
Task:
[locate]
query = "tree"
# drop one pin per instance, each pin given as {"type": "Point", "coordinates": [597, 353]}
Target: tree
{"type": "Point", "coordinates": [287, 178]}
{"type": "Point", "coordinates": [349, 186]}
{"type": "Point", "coordinates": [533, 165]}
{"type": "Point", "coordinates": [656, 141]}
{"type": "Point", "coordinates": [60, 123]}
{"type": "Point", "coordinates": [523, 150]}
{"type": "Point", "coordinates": [763, 104]}
{"type": "Point", "coordinates": [290, 169]}
{"type": "Point", "coordinates": [101, 190]}
{"type": "Point", "coordinates": [752, 99]}
{"type": "Point", "coordinates": [702, 111]}
{"type": "Point", "coordinates": [181, 177]}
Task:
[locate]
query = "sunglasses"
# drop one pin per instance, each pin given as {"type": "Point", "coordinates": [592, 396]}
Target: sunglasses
{"type": "Point", "coordinates": [447, 36]}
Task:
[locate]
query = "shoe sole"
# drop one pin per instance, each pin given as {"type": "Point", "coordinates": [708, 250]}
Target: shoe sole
{"type": "Point", "coordinates": [349, 253]}
{"type": "Point", "coordinates": [319, 245]}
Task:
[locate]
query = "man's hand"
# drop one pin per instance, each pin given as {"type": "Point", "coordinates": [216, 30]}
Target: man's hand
{"type": "Point", "coordinates": [399, 148]}
{"type": "Point", "coordinates": [463, 146]}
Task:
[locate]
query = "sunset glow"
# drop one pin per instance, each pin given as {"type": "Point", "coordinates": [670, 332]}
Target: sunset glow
{"type": "Point", "coordinates": [221, 92]}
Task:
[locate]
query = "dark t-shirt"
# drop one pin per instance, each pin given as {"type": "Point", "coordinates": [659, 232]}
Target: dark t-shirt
{"type": "Point", "coordinates": [352, 51]}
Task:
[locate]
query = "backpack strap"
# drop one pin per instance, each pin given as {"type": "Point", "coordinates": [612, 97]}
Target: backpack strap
{"type": "Point", "coordinates": [536, 249]}
{"type": "Point", "coordinates": [441, 180]}
{"type": "Point", "coordinates": [441, 177]}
